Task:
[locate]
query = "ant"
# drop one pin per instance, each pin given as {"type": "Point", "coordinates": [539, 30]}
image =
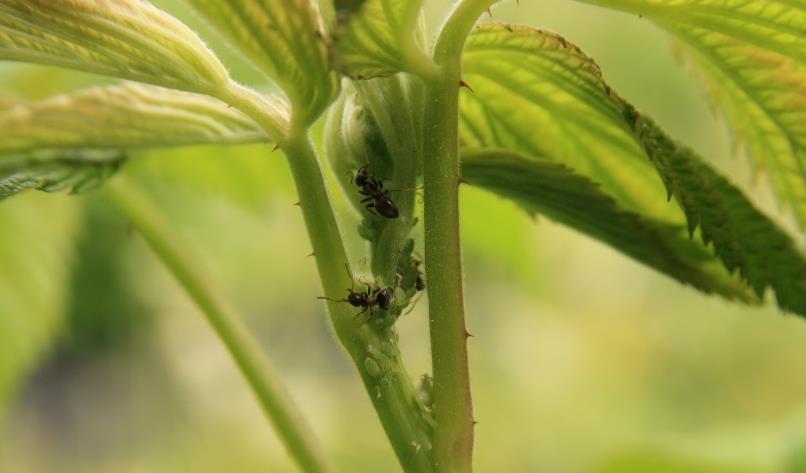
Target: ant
{"type": "Point", "coordinates": [378, 296]}
{"type": "Point", "coordinates": [376, 196]}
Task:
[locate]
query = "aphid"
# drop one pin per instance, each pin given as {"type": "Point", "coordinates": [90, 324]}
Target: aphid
{"type": "Point", "coordinates": [377, 198]}
{"type": "Point", "coordinates": [371, 297]}
{"type": "Point", "coordinates": [419, 283]}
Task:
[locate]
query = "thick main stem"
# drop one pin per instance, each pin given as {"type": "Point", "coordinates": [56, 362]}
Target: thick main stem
{"type": "Point", "coordinates": [373, 351]}
{"type": "Point", "coordinates": [453, 410]}
{"type": "Point", "coordinates": [453, 407]}
{"type": "Point", "coordinates": [243, 347]}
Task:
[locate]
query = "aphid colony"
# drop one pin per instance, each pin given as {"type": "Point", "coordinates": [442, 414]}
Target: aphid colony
{"type": "Point", "coordinates": [409, 276]}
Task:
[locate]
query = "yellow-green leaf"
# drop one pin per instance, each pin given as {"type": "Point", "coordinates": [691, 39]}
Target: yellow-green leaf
{"type": "Point", "coordinates": [129, 39]}
{"type": "Point", "coordinates": [72, 171]}
{"type": "Point", "coordinates": [540, 95]}
{"type": "Point", "coordinates": [556, 191]}
{"type": "Point", "coordinates": [375, 38]}
{"type": "Point", "coordinates": [751, 57]}
{"type": "Point", "coordinates": [127, 116]}
{"type": "Point", "coordinates": [283, 39]}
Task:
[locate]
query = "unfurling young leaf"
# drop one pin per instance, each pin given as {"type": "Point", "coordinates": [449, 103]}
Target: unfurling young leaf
{"type": "Point", "coordinates": [73, 171]}
{"type": "Point", "coordinates": [375, 38]}
{"type": "Point", "coordinates": [126, 116]}
{"type": "Point", "coordinates": [752, 58]}
{"type": "Point", "coordinates": [283, 38]}
{"type": "Point", "coordinates": [537, 94]}
{"type": "Point", "coordinates": [129, 39]}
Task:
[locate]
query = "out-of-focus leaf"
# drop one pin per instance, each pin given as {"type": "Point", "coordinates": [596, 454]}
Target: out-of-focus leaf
{"type": "Point", "coordinates": [668, 462]}
{"type": "Point", "coordinates": [126, 116]}
{"type": "Point", "coordinates": [774, 25]}
{"type": "Point", "coordinates": [283, 39]}
{"type": "Point", "coordinates": [539, 95]}
{"type": "Point", "coordinates": [556, 191]}
{"type": "Point", "coordinates": [375, 38]}
{"type": "Point", "coordinates": [752, 59]}
{"type": "Point", "coordinates": [33, 282]}
{"type": "Point", "coordinates": [73, 171]}
{"type": "Point", "coordinates": [130, 39]}
{"type": "Point", "coordinates": [104, 313]}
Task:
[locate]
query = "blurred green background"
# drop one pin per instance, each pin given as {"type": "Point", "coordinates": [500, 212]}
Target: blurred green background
{"type": "Point", "coordinates": [582, 360]}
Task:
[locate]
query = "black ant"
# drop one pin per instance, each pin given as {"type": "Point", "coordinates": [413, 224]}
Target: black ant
{"type": "Point", "coordinates": [377, 296]}
{"type": "Point", "coordinates": [377, 197]}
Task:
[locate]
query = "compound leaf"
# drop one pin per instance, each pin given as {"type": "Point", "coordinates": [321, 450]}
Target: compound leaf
{"type": "Point", "coordinates": [126, 116]}
{"type": "Point", "coordinates": [556, 191]}
{"type": "Point", "coordinates": [283, 39]}
{"type": "Point", "coordinates": [375, 38]}
{"type": "Point", "coordinates": [751, 56]}
{"type": "Point", "coordinates": [537, 94]}
{"type": "Point", "coordinates": [744, 238]}
{"type": "Point", "coordinates": [73, 171]}
{"type": "Point", "coordinates": [129, 39]}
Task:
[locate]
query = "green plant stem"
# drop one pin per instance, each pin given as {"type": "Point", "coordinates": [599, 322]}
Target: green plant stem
{"type": "Point", "coordinates": [245, 350]}
{"type": "Point", "coordinates": [453, 408]}
{"type": "Point", "coordinates": [374, 351]}
{"type": "Point", "coordinates": [389, 100]}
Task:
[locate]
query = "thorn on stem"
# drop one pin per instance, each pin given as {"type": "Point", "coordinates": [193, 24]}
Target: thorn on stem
{"type": "Point", "coordinates": [312, 253]}
{"type": "Point", "coordinates": [464, 84]}
{"type": "Point", "coordinates": [296, 204]}
{"type": "Point", "coordinates": [276, 147]}
{"type": "Point", "coordinates": [489, 12]}
{"type": "Point", "coordinates": [468, 334]}
{"type": "Point", "coordinates": [461, 181]}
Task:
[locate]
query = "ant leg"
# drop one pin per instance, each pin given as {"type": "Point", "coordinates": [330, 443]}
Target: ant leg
{"type": "Point", "coordinates": [369, 286]}
{"type": "Point", "coordinates": [370, 207]}
{"type": "Point", "coordinates": [367, 199]}
{"type": "Point", "coordinates": [413, 304]}
{"type": "Point", "coordinates": [359, 314]}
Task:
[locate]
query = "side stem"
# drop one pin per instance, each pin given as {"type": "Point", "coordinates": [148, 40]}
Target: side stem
{"type": "Point", "coordinates": [374, 351]}
{"type": "Point", "coordinates": [256, 368]}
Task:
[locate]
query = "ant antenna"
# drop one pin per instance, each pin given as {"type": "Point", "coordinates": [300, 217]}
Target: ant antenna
{"type": "Point", "coordinates": [413, 304]}
{"type": "Point", "coordinates": [407, 190]}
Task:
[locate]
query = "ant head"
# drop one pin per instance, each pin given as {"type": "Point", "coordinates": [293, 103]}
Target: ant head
{"type": "Point", "coordinates": [361, 175]}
